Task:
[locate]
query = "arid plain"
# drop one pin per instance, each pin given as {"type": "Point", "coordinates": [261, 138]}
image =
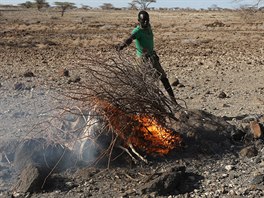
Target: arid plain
{"type": "Point", "coordinates": [216, 56]}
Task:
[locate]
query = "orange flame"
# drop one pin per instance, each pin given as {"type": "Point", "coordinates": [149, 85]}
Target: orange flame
{"type": "Point", "coordinates": [144, 132]}
{"type": "Point", "coordinates": [152, 137]}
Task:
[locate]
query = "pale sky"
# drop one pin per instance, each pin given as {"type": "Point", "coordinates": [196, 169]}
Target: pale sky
{"type": "Point", "coordinates": [196, 4]}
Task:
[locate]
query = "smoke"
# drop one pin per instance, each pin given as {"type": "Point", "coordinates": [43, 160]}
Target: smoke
{"type": "Point", "coordinates": [40, 129]}
{"type": "Point", "coordinates": [47, 156]}
{"type": "Point", "coordinates": [86, 134]}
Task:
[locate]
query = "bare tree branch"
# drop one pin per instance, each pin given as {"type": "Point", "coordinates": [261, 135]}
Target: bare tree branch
{"type": "Point", "coordinates": [143, 3]}
{"type": "Point", "coordinates": [255, 3]}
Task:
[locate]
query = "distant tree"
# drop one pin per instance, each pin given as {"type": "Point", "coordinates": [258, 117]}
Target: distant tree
{"type": "Point", "coordinates": [132, 6]}
{"type": "Point", "coordinates": [251, 12]}
{"type": "Point", "coordinates": [107, 6]}
{"type": "Point", "coordinates": [214, 7]}
{"type": "Point", "coordinates": [143, 3]}
{"type": "Point", "coordinates": [64, 6]}
{"type": "Point", "coordinates": [27, 4]}
{"type": "Point", "coordinates": [86, 7]}
{"type": "Point", "coordinates": [41, 4]}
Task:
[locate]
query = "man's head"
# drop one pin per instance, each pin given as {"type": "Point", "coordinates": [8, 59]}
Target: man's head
{"type": "Point", "coordinates": [143, 19]}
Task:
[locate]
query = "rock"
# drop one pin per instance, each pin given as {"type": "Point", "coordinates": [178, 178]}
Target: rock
{"type": "Point", "coordinates": [208, 92]}
{"type": "Point", "coordinates": [19, 86]}
{"type": "Point", "coordinates": [259, 179]}
{"type": "Point", "coordinates": [28, 74]}
{"type": "Point", "coordinates": [216, 24]}
{"type": "Point", "coordinates": [249, 152]}
{"type": "Point", "coordinates": [165, 183]}
{"type": "Point", "coordinates": [30, 180]}
{"type": "Point", "coordinates": [50, 43]}
{"type": "Point", "coordinates": [75, 79]}
{"type": "Point", "coordinates": [181, 85]}
{"type": "Point", "coordinates": [229, 167]}
{"type": "Point", "coordinates": [255, 129]}
{"type": "Point", "coordinates": [222, 95]}
{"type": "Point", "coordinates": [175, 82]}
{"type": "Point", "coordinates": [64, 72]}
{"type": "Point", "coordinates": [44, 154]}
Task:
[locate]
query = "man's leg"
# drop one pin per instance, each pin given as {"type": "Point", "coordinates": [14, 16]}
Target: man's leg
{"type": "Point", "coordinates": [168, 88]}
{"type": "Point", "coordinates": [163, 77]}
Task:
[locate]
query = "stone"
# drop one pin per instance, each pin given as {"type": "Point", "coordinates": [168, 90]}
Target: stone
{"type": "Point", "coordinates": [47, 155]}
{"type": "Point", "coordinates": [181, 85]}
{"type": "Point", "coordinates": [259, 179]}
{"type": "Point", "coordinates": [19, 86]}
{"type": "Point", "coordinates": [28, 74]}
{"type": "Point", "coordinates": [261, 119]}
{"type": "Point", "coordinates": [249, 152]}
{"type": "Point", "coordinates": [64, 72]}
{"type": "Point", "coordinates": [229, 167]}
{"type": "Point", "coordinates": [222, 95]}
{"type": "Point", "coordinates": [175, 83]}
{"type": "Point", "coordinates": [74, 79]}
{"type": "Point", "coordinates": [165, 183]}
{"type": "Point", "coordinates": [255, 129]}
{"type": "Point", "coordinates": [30, 180]}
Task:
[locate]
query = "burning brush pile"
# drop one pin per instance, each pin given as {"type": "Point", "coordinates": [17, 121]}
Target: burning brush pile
{"type": "Point", "coordinates": [126, 104]}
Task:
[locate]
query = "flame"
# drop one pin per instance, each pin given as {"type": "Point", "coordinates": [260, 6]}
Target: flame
{"type": "Point", "coordinates": [152, 137]}
{"type": "Point", "coordinates": [144, 132]}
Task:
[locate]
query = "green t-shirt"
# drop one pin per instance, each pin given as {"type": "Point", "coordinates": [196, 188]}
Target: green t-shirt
{"type": "Point", "coordinates": [144, 40]}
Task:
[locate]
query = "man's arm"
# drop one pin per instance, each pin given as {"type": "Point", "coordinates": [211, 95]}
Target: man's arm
{"type": "Point", "coordinates": [126, 43]}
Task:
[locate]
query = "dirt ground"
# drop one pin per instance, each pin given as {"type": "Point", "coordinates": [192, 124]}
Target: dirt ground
{"type": "Point", "coordinates": [217, 56]}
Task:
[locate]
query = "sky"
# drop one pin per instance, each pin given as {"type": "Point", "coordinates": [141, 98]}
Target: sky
{"type": "Point", "coordinates": [195, 4]}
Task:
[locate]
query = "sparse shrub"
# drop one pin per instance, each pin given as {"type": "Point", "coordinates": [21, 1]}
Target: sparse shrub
{"type": "Point", "coordinates": [64, 6]}
{"type": "Point", "coordinates": [41, 4]}
{"type": "Point", "coordinates": [54, 18]}
{"type": "Point", "coordinates": [107, 6]}
{"type": "Point", "coordinates": [27, 4]}
{"type": "Point", "coordinates": [86, 7]}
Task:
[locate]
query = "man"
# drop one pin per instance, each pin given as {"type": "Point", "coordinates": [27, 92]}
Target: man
{"type": "Point", "coordinates": [143, 37]}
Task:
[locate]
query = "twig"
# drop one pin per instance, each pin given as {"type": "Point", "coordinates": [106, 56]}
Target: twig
{"type": "Point", "coordinates": [7, 158]}
{"type": "Point", "coordinates": [137, 154]}
{"type": "Point", "coordinates": [42, 186]}
{"type": "Point", "coordinates": [128, 176]}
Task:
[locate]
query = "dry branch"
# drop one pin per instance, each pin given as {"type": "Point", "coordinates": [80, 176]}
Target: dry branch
{"type": "Point", "coordinates": [124, 83]}
{"type": "Point", "coordinates": [125, 94]}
